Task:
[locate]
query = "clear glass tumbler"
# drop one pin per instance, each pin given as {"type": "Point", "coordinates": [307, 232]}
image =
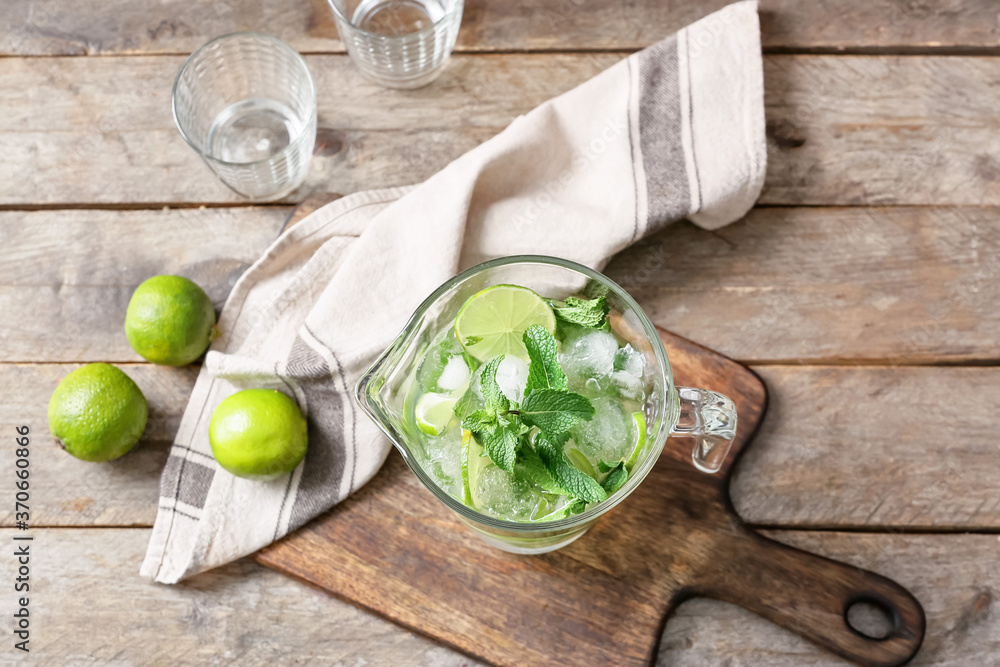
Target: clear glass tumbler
{"type": "Point", "coordinates": [702, 416]}
{"type": "Point", "coordinates": [247, 103]}
{"type": "Point", "coordinates": [398, 43]}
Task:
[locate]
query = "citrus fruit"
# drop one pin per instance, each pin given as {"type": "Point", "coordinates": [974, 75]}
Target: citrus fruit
{"type": "Point", "coordinates": [580, 460]}
{"type": "Point", "coordinates": [640, 440]}
{"type": "Point", "coordinates": [258, 434]}
{"type": "Point", "coordinates": [493, 321]}
{"type": "Point", "coordinates": [473, 463]}
{"type": "Point", "coordinates": [97, 413]}
{"type": "Point", "coordinates": [170, 320]}
{"type": "Point", "coordinates": [434, 412]}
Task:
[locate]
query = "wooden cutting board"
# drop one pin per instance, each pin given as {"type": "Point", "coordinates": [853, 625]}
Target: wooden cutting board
{"type": "Point", "coordinates": [394, 549]}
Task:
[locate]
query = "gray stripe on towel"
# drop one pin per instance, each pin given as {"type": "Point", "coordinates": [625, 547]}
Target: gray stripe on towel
{"type": "Point", "coordinates": [323, 470]}
{"type": "Point", "coordinates": [660, 127]}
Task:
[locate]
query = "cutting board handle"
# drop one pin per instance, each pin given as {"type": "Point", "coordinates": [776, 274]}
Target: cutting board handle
{"type": "Point", "coordinates": [810, 595]}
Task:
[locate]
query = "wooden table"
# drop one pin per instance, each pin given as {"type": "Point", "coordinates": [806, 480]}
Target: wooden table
{"type": "Point", "coordinates": [864, 289]}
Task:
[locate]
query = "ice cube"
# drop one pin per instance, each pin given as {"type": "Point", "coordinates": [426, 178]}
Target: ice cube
{"type": "Point", "coordinates": [590, 356]}
{"type": "Point", "coordinates": [627, 385]}
{"type": "Point", "coordinates": [505, 496]}
{"type": "Point", "coordinates": [608, 435]}
{"type": "Point", "coordinates": [442, 460]}
{"type": "Point", "coordinates": [443, 357]}
{"type": "Point", "coordinates": [512, 376]}
{"type": "Point", "coordinates": [455, 375]}
{"type": "Point", "coordinates": [630, 360]}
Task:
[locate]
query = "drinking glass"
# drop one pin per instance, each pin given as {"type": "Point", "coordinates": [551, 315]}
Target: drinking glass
{"type": "Point", "coordinates": [247, 104]}
{"type": "Point", "coordinates": [707, 418]}
{"type": "Point", "coordinates": [398, 43]}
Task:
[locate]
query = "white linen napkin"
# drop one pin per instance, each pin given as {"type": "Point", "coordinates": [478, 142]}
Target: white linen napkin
{"type": "Point", "coordinates": [674, 131]}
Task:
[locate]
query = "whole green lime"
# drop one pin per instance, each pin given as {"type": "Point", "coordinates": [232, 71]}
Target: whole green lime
{"type": "Point", "coordinates": [258, 433]}
{"type": "Point", "coordinates": [97, 413]}
{"type": "Point", "coordinates": [170, 320]}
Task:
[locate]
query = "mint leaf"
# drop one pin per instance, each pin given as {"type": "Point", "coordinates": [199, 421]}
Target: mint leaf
{"type": "Point", "coordinates": [480, 421]}
{"type": "Point", "coordinates": [576, 506]}
{"type": "Point", "coordinates": [616, 477]}
{"type": "Point", "coordinates": [595, 289]}
{"type": "Point", "coordinates": [543, 370]}
{"type": "Point", "coordinates": [605, 467]}
{"type": "Point", "coordinates": [588, 313]}
{"type": "Point", "coordinates": [555, 411]}
{"type": "Point", "coordinates": [495, 400]}
{"type": "Point", "coordinates": [501, 446]}
{"type": "Point", "coordinates": [531, 467]}
{"type": "Point", "coordinates": [577, 483]}
{"type": "Point", "coordinates": [466, 405]}
{"type": "Point", "coordinates": [471, 340]}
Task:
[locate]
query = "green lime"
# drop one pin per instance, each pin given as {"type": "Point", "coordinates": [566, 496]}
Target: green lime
{"type": "Point", "coordinates": [97, 413]}
{"type": "Point", "coordinates": [473, 463]}
{"type": "Point", "coordinates": [493, 321]}
{"type": "Point", "coordinates": [580, 460]}
{"type": "Point", "coordinates": [640, 440]}
{"type": "Point", "coordinates": [434, 412]}
{"type": "Point", "coordinates": [258, 434]}
{"type": "Point", "coordinates": [170, 320]}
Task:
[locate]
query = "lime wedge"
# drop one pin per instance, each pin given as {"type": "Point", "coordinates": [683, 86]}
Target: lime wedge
{"type": "Point", "coordinates": [640, 440]}
{"type": "Point", "coordinates": [434, 412]}
{"type": "Point", "coordinates": [493, 321]}
{"type": "Point", "coordinates": [473, 462]}
{"type": "Point", "coordinates": [580, 460]}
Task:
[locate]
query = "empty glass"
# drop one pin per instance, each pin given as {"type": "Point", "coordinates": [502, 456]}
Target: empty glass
{"type": "Point", "coordinates": [398, 43]}
{"type": "Point", "coordinates": [247, 104]}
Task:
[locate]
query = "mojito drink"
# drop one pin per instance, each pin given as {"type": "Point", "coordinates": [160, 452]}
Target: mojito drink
{"type": "Point", "coordinates": [527, 408]}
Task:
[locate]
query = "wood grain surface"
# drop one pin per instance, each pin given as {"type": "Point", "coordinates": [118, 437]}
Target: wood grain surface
{"type": "Point", "coordinates": [924, 463]}
{"type": "Point", "coordinates": [393, 548]}
{"type": "Point", "coordinates": [854, 310]}
{"type": "Point", "coordinates": [54, 27]}
{"type": "Point", "coordinates": [249, 614]}
{"type": "Point", "coordinates": [842, 130]}
{"type": "Point", "coordinates": [785, 285]}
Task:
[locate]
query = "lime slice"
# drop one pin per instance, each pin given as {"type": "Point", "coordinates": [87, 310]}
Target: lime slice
{"type": "Point", "coordinates": [580, 460]}
{"type": "Point", "coordinates": [550, 511]}
{"type": "Point", "coordinates": [434, 412]}
{"type": "Point", "coordinates": [473, 462]}
{"type": "Point", "coordinates": [640, 441]}
{"type": "Point", "coordinates": [493, 321]}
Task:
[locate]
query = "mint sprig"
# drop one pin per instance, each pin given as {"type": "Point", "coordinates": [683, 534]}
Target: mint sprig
{"type": "Point", "coordinates": [501, 426]}
{"type": "Point", "coordinates": [585, 312]}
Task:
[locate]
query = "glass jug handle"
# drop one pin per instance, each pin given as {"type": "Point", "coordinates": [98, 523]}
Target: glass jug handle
{"type": "Point", "coordinates": [710, 419]}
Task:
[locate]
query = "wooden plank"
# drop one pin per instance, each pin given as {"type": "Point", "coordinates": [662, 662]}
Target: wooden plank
{"type": "Point", "coordinates": [954, 577]}
{"type": "Point", "coordinates": [246, 613]}
{"type": "Point", "coordinates": [70, 492]}
{"type": "Point", "coordinates": [857, 130]}
{"type": "Point", "coordinates": [88, 604]}
{"type": "Point", "coordinates": [908, 447]}
{"type": "Point", "coordinates": [53, 27]}
{"type": "Point", "coordinates": [840, 447]}
{"type": "Point", "coordinates": [70, 274]}
{"type": "Point", "coordinates": [910, 285]}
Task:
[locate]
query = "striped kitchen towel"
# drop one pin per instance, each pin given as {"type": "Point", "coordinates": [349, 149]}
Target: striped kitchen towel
{"type": "Point", "coordinates": [674, 131]}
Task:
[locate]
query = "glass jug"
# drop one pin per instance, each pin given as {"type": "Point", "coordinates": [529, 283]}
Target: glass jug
{"type": "Point", "coordinates": [708, 418]}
